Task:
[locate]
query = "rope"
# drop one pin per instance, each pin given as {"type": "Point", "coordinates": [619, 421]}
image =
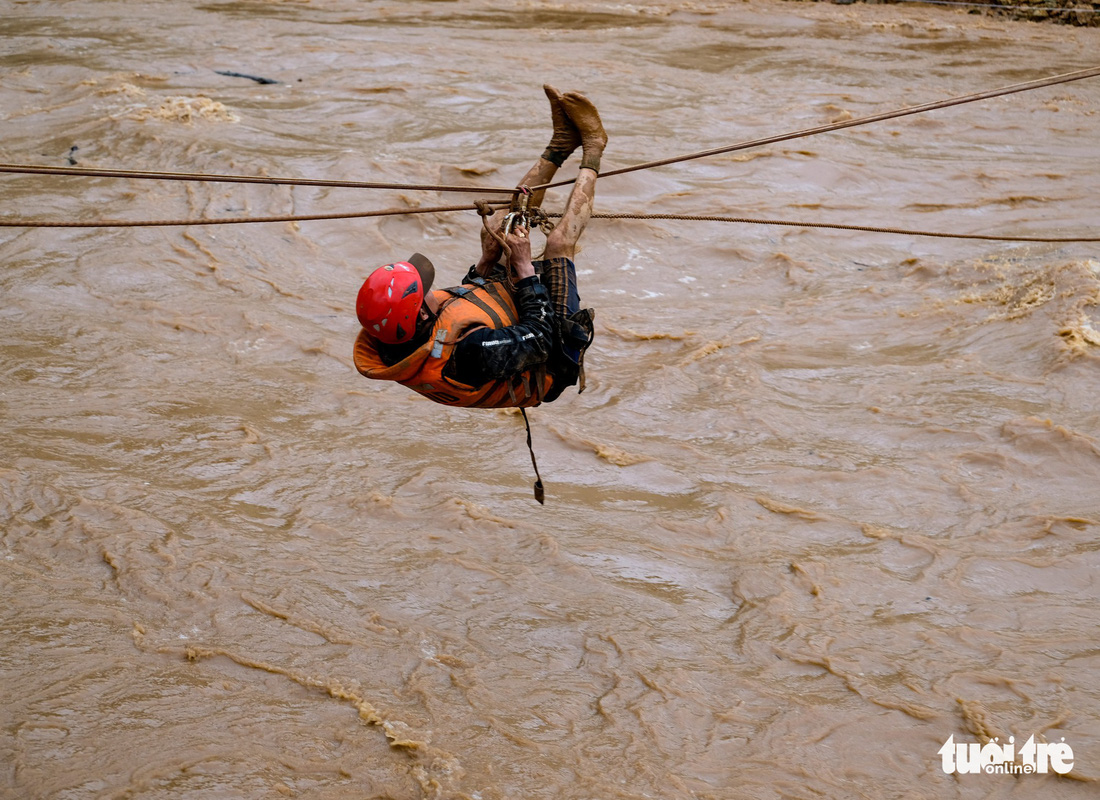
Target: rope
{"type": "Point", "coordinates": [836, 126]}
{"type": "Point", "coordinates": [483, 206]}
{"type": "Point", "coordinates": [29, 169]}
{"type": "Point", "coordinates": [121, 223]}
{"type": "Point", "coordinates": [865, 228]}
{"type": "Point", "coordinates": [540, 492]}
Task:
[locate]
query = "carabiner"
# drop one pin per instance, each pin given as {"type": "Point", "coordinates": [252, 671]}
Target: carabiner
{"type": "Point", "coordinates": [510, 221]}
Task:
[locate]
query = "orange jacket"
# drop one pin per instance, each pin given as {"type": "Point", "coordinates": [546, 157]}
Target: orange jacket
{"type": "Point", "coordinates": [462, 310]}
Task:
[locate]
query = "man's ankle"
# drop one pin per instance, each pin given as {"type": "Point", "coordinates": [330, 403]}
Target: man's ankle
{"type": "Point", "coordinates": [591, 160]}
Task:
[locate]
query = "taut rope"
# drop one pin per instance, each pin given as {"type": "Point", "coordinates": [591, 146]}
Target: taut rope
{"type": "Point", "coordinates": [91, 172]}
{"type": "Point", "coordinates": [868, 228]}
{"type": "Point", "coordinates": [386, 212]}
{"type": "Point", "coordinates": [167, 223]}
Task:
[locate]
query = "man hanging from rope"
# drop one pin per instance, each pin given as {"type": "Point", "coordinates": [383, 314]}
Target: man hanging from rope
{"type": "Point", "coordinates": [509, 336]}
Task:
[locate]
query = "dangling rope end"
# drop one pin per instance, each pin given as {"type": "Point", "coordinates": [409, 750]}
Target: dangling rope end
{"type": "Point", "coordinates": [540, 492]}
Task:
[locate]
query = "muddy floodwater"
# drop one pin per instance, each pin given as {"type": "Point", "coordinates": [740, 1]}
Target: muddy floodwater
{"type": "Point", "coordinates": [830, 501]}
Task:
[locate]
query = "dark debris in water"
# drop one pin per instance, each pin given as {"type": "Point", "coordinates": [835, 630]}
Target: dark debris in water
{"type": "Point", "coordinates": [230, 74]}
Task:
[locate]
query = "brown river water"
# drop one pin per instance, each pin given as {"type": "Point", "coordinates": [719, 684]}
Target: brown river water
{"type": "Point", "coordinates": [829, 499]}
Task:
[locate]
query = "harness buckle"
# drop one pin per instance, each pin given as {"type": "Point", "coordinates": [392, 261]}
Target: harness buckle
{"type": "Point", "coordinates": [437, 347]}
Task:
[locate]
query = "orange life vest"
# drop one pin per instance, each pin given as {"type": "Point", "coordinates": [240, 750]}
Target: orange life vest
{"type": "Point", "coordinates": [462, 310]}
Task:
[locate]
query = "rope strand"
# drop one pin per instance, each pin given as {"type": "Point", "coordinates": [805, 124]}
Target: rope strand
{"type": "Point", "coordinates": [865, 228]}
{"type": "Point", "coordinates": [16, 223]}
{"type": "Point", "coordinates": [30, 169]}
{"type": "Point", "coordinates": [168, 223]}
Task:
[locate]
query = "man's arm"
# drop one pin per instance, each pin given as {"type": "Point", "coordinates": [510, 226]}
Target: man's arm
{"type": "Point", "coordinates": [489, 354]}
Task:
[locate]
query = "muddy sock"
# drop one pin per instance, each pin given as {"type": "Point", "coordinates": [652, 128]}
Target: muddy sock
{"type": "Point", "coordinates": [586, 118]}
{"type": "Point", "coordinates": [566, 137]}
{"type": "Point", "coordinates": [556, 157]}
{"type": "Point", "coordinates": [591, 160]}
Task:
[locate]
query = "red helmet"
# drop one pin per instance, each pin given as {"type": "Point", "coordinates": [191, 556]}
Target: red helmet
{"type": "Point", "coordinates": [389, 302]}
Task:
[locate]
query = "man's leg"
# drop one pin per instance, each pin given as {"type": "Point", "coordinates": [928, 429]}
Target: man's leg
{"type": "Point", "coordinates": [556, 268]}
{"type": "Point", "coordinates": [573, 328]}
{"type": "Point", "coordinates": [565, 139]}
{"type": "Point", "coordinates": [562, 241]}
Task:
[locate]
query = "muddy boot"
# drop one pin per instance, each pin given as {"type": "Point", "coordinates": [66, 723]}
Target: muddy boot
{"type": "Point", "coordinates": [566, 137]}
{"type": "Point", "coordinates": [587, 120]}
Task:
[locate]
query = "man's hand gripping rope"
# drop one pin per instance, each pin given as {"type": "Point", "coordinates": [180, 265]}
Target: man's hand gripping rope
{"type": "Point", "coordinates": [511, 236]}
